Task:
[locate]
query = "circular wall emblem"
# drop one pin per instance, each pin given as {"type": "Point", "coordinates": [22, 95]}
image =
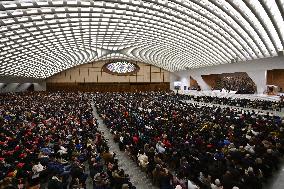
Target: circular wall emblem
{"type": "Point", "coordinates": [121, 68]}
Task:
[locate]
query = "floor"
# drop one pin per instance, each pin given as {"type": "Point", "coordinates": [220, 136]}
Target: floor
{"type": "Point", "coordinates": [277, 181]}
{"type": "Point", "coordinates": [137, 177]}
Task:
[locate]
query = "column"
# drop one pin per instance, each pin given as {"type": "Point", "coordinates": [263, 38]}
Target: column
{"type": "Point", "coordinates": [203, 85]}
{"type": "Point", "coordinates": [40, 86]}
{"type": "Point", "coordinates": [259, 77]}
{"type": "Point", "coordinates": [184, 84]}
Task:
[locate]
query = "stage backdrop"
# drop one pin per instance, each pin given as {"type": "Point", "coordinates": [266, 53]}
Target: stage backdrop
{"type": "Point", "coordinates": [276, 77]}
{"type": "Point", "coordinates": [91, 77]}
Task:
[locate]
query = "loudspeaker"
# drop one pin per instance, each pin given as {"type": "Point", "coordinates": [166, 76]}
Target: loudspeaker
{"type": "Point", "coordinates": [280, 53]}
{"type": "Point", "coordinates": [235, 60]}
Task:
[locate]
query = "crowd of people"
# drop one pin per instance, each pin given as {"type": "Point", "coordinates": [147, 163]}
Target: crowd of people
{"type": "Point", "coordinates": [49, 140]}
{"type": "Point", "coordinates": [186, 146]}
{"type": "Point", "coordinates": [239, 102]}
{"type": "Point", "coordinates": [241, 83]}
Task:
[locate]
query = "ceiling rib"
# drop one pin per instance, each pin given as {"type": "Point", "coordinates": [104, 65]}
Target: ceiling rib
{"type": "Point", "coordinates": [39, 38]}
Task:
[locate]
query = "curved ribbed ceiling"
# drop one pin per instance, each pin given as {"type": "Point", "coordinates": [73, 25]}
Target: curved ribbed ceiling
{"type": "Point", "coordinates": [39, 38]}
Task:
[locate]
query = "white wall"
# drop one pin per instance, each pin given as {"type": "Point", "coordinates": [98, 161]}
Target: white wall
{"type": "Point", "coordinates": [259, 78]}
{"type": "Point", "coordinates": [40, 86]}
{"type": "Point", "coordinates": [20, 84]}
{"type": "Point", "coordinates": [256, 69]}
{"type": "Point", "coordinates": [174, 77]}
{"type": "Point", "coordinates": [9, 87]}
{"type": "Point", "coordinates": [21, 87]}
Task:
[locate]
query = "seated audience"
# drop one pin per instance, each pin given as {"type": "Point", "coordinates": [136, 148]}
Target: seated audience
{"type": "Point", "coordinates": [239, 82]}
{"type": "Point", "coordinates": [48, 139]}
{"type": "Point", "coordinates": [205, 146]}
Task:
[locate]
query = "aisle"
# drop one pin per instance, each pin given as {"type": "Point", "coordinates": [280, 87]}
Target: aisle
{"type": "Point", "coordinates": [137, 177]}
{"type": "Point", "coordinates": [277, 181]}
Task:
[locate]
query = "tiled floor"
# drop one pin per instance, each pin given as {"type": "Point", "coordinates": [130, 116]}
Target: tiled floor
{"type": "Point", "coordinates": [277, 181]}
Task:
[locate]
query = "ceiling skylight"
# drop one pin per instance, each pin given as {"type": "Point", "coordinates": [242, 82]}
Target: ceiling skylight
{"type": "Point", "coordinates": [39, 38]}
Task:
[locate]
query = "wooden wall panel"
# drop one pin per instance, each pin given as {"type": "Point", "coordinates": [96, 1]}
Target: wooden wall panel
{"type": "Point", "coordinates": [276, 77]}
{"type": "Point", "coordinates": [90, 77]}
{"type": "Point", "coordinates": [108, 87]}
{"type": "Point", "coordinates": [166, 77]}
{"type": "Point", "coordinates": [92, 72]}
{"type": "Point", "coordinates": [193, 83]}
{"type": "Point", "coordinates": [156, 77]}
{"type": "Point", "coordinates": [211, 80]}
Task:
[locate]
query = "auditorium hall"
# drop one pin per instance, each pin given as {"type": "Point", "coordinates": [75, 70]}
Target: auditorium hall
{"type": "Point", "coordinates": [141, 94]}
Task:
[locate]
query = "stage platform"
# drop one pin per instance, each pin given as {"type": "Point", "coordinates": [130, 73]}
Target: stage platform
{"type": "Point", "coordinates": [232, 94]}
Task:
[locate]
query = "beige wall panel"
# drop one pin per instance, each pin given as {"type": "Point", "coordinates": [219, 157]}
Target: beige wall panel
{"type": "Point", "coordinates": [74, 71]}
{"type": "Point", "coordinates": [93, 70]}
{"type": "Point", "coordinates": [105, 77]}
{"type": "Point", "coordinates": [108, 78]}
{"type": "Point", "coordinates": [95, 75]}
{"type": "Point", "coordinates": [133, 79]}
{"type": "Point", "coordinates": [55, 76]}
{"type": "Point", "coordinates": [147, 77]}
{"type": "Point", "coordinates": [100, 77]}
{"type": "Point", "coordinates": [156, 77]}
{"type": "Point", "coordinates": [122, 79]}
{"type": "Point", "coordinates": [71, 78]}
{"type": "Point", "coordinates": [155, 69]}
{"type": "Point", "coordinates": [84, 72]}
{"type": "Point", "coordinates": [53, 80]}
{"type": "Point", "coordinates": [91, 79]}
{"type": "Point", "coordinates": [65, 77]}
{"type": "Point", "coordinates": [146, 72]}
{"type": "Point", "coordinates": [140, 78]}
{"type": "Point", "coordinates": [166, 76]}
{"type": "Point", "coordinates": [85, 65]}
{"type": "Point", "coordinates": [80, 78]}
